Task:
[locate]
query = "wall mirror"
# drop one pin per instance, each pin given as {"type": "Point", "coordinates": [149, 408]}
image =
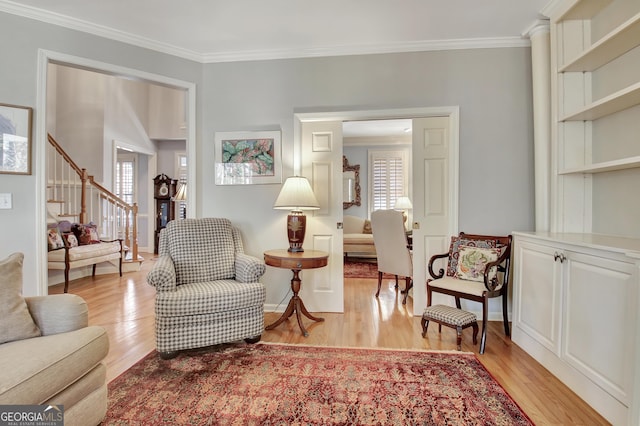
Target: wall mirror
{"type": "Point", "coordinates": [350, 184]}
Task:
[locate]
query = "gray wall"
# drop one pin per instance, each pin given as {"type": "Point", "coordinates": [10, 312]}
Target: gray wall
{"type": "Point", "coordinates": [491, 86]}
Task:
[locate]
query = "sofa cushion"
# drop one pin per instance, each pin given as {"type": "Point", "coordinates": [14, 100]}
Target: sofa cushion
{"type": "Point", "coordinates": [89, 251]}
{"type": "Point", "coordinates": [51, 363]}
{"type": "Point", "coordinates": [358, 238]}
{"type": "Point", "coordinates": [16, 322]}
{"type": "Point", "coordinates": [202, 249]}
{"type": "Point", "coordinates": [210, 296]}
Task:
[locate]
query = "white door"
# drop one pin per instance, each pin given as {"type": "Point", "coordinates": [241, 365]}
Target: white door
{"type": "Point", "coordinates": [433, 206]}
{"type": "Point", "coordinates": [321, 163]}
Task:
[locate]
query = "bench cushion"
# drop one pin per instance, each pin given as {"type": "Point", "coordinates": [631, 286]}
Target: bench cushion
{"type": "Point", "coordinates": [448, 315]}
{"type": "Point", "coordinates": [85, 252]}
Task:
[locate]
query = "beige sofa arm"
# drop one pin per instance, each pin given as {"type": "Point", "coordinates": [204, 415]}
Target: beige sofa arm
{"type": "Point", "coordinates": [58, 313]}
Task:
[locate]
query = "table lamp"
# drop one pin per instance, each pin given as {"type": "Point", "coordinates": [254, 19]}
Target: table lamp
{"type": "Point", "coordinates": [296, 195]}
{"type": "Point", "coordinates": [403, 204]}
{"type": "Point", "coordinates": [181, 195]}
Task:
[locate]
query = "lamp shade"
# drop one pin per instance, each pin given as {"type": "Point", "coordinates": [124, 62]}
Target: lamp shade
{"type": "Point", "coordinates": [181, 195]}
{"type": "Point", "coordinates": [403, 203]}
{"type": "Point", "coordinates": [296, 195]}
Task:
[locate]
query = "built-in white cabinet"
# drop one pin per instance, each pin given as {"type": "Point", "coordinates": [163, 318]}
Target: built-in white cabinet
{"type": "Point", "coordinates": [575, 310]}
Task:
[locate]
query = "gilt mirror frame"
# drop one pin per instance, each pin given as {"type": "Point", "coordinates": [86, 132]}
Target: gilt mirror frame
{"type": "Point", "coordinates": [356, 171]}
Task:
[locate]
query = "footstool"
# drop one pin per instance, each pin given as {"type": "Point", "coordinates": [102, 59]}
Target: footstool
{"type": "Point", "coordinates": [450, 317]}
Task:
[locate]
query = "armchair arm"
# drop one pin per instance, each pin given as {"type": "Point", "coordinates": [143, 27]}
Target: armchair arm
{"type": "Point", "coordinates": [249, 269]}
{"type": "Point", "coordinates": [58, 313]}
{"type": "Point", "coordinates": [163, 274]}
{"type": "Point", "coordinates": [492, 284]}
{"type": "Point", "coordinates": [440, 273]}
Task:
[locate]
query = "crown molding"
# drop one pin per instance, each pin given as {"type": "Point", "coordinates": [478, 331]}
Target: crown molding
{"type": "Point", "coordinates": [257, 55]}
{"type": "Point", "coordinates": [368, 49]}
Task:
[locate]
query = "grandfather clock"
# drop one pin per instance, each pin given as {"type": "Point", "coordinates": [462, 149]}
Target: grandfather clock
{"type": "Point", "coordinates": [164, 189]}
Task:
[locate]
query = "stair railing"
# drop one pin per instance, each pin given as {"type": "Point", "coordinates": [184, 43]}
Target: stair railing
{"type": "Point", "coordinates": [82, 199]}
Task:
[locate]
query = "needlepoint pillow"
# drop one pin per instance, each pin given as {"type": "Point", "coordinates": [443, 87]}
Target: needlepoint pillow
{"type": "Point", "coordinates": [456, 242]}
{"type": "Point", "coordinates": [472, 262]}
{"type": "Point", "coordinates": [17, 323]}
{"type": "Point", "coordinates": [54, 239]}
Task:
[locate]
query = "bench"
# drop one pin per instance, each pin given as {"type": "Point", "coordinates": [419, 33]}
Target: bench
{"type": "Point", "coordinates": [450, 317]}
{"type": "Point", "coordinates": [65, 254]}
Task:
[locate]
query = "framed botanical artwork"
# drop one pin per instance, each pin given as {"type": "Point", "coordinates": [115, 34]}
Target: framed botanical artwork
{"type": "Point", "coordinates": [15, 139]}
{"type": "Point", "coordinates": [248, 158]}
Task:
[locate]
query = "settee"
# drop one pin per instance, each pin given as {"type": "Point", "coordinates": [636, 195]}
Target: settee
{"type": "Point", "coordinates": [73, 246]}
{"type": "Point", "coordinates": [357, 236]}
{"type": "Point", "coordinates": [48, 353]}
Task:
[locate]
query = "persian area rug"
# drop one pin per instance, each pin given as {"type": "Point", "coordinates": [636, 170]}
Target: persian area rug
{"type": "Point", "coordinates": [360, 268]}
{"type": "Point", "coordinates": [274, 384]}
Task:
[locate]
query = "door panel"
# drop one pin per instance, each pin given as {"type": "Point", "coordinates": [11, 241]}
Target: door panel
{"type": "Point", "coordinates": [322, 289]}
{"type": "Point", "coordinates": [431, 204]}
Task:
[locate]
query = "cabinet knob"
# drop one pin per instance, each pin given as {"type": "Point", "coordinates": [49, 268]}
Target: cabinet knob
{"type": "Point", "coordinates": [559, 256]}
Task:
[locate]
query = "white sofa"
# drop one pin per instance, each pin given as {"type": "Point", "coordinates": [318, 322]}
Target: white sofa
{"type": "Point", "coordinates": [357, 237]}
{"type": "Point", "coordinates": [50, 355]}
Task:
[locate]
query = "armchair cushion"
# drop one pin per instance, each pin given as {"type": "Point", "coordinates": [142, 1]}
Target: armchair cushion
{"type": "Point", "coordinates": [17, 323]}
{"type": "Point", "coordinates": [474, 288]}
{"type": "Point", "coordinates": [472, 262]}
{"type": "Point", "coordinates": [198, 257]}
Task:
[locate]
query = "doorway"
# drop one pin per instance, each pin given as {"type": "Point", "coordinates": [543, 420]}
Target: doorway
{"type": "Point", "coordinates": [427, 166]}
{"type": "Point", "coordinates": [47, 58]}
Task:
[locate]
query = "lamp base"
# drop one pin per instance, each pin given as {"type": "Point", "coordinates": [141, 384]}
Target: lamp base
{"type": "Point", "coordinates": [296, 227]}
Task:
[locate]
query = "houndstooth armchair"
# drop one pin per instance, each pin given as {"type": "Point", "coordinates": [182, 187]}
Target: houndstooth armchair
{"type": "Point", "coordinates": [207, 289]}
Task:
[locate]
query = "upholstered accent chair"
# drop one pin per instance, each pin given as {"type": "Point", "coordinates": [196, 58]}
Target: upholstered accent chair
{"type": "Point", "coordinates": [477, 269]}
{"type": "Point", "coordinates": [207, 288]}
{"type": "Point", "coordinates": [394, 256]}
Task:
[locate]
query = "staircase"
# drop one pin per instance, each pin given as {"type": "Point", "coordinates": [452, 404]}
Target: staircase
{"type": "Point", "coordinates": [74, 195]}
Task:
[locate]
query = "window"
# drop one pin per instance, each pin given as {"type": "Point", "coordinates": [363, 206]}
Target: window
{"type": "Point", "coordinates": [181, 175]}
{"type": "Point", "coordinates": [388, 178]}
{"type": "Point", "coordinates": [125, 173]}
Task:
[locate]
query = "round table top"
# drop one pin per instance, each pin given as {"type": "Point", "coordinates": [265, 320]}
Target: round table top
{"type": "Point", "coordinates": [308, 259]}
{"type": "Point", "coordinates": [286, 254]}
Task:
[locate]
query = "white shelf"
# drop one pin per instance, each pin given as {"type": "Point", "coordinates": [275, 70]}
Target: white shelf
{"type": "Point", "coordinates": [619, 41]}
{"type": "Point", "coordinates": [584, 9]}
{"type": "Point", "coordinates": [621, 100]}
{"type": "Point", "coordinates": [607, 166]}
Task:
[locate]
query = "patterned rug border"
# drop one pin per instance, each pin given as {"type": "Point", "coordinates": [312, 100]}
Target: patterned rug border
{"type": "Point", "coordinates": [444, 351]}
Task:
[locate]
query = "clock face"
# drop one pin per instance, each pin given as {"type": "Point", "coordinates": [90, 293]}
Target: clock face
{"type": "Point", "coordinates": [163, 190]}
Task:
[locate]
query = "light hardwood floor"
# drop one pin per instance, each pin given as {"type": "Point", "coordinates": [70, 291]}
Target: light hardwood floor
{"type": "Point", "coordinates": [125, 307]}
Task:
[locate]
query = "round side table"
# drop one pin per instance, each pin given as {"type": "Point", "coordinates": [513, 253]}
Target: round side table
{"type": "Point", "coordinates": [308, 259]}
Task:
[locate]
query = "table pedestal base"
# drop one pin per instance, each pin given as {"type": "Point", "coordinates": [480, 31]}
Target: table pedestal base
{"type": "Point", "coordinates": [295, 305]}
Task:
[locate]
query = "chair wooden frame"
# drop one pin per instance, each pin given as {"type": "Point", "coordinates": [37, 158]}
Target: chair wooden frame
{"type": "Point", "coordinates": [493, 288]}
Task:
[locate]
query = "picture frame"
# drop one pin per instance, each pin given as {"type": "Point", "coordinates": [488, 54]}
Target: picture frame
{"type": "Point", "coordinates": [15, 139]}
{"type": "Point", "coordinates": [248, 158]}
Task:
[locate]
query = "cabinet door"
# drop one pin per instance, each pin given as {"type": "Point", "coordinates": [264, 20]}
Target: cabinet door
{"type": "Point", "coordinates": [600, 321]}
{"type": "Point", "coordinates": [537, 293]}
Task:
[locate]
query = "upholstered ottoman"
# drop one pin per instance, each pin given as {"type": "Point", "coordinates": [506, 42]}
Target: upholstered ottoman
{"type": "Point", "coordinates": [450, 317]}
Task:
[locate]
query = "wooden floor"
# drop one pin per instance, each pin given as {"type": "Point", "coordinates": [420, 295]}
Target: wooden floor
{"type": "Point", "coordinates": [124, 306]}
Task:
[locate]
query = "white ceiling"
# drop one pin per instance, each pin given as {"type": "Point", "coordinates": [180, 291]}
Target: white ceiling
{"type": "Point", "coordinates": [229, 30]}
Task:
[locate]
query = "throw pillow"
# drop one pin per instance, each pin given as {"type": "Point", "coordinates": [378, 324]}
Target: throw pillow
{"type": "Point", "coordinates": [86, 234]}
{"type": "Point", "coordinates": [54, 239]}
{"type": "Point", "coordinates": [456, 242]}
{"type": "Point", "coordinates": [17, 323]}
{"type": "Point", "coordinates": [473, 261]}
{"type": "Point", "coordinates": [366, 229]}
{"type": "Point", "coordinates": [72, 241]}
